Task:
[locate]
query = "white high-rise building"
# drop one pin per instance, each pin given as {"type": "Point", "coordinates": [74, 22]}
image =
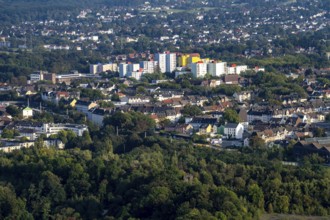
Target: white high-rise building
{"type": "Point", "coordinates": [100, 68]}
{"type": "Point", "coordinates": [198, 69]}
{"type": "Point", "coordinates": [136, 75]}
{"type": "Point", "coordinates": [93, 68]}
{"type": "Point", "coordinates": [133, 67]}
{"type": "Point", "coordinates": [148, 66]}
{"type": "Point", "coordinates": [123, 70]}
{"type": "Point", "coordinates": [161, 59]}
{"type": "Point", "coordinates": [170, 62]}
{"type": "Point", "coordinates": [166, 62]}
{"type": "Point", "coordinates": [231, 70]}
{"type": "Point", "coordinates": [127, 69]}
{"type": "Point", "coordinates": [241, 68]}
{"type": "Point", "coordinates": [217, 68]}
{"type": "Point", "coordinates": [237, 69]}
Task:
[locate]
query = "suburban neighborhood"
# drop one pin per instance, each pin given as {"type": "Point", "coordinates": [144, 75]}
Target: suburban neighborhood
{"type": "Point", "coordinates": [201, 98]}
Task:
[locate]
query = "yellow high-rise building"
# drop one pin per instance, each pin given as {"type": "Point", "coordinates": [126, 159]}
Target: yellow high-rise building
{"type": "Point", "coordinates": [193, 59]}
{"type": "Point", "coordinates": [183, 60]}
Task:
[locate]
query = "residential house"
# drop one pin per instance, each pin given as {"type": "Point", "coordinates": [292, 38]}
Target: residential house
{"type": "Point", "coordinates": [263, 115]}
{"type": "Point", "coordinates": [242, 96]}
{"type": "Point", "coordinates": [320, 146]}
{"type": "Point", "coordinates": [231, 79]}
{"type": "Point", "coordinates": [315, 117]}
{"type": "Point", "coordinates": [85, 106]}
{"type": "Point", "coordinates": [97, 115]}
{"type": "Point", "coordinates": [11, 145]}
{"type": "Point", "coordinates": [184, 128]}
{"type": "Point", "coordinates": [271, 135]}
{"type": "Point", "coordinates": [233, 130]}
{"type": "Point", "coordinates": [206, 129]}
{"type": "Point", "coordinates": [27, 112]}
{"type": "Point", "coordinates": [197, 122]}
{"type": "Point", "coordinates": [135, 99]}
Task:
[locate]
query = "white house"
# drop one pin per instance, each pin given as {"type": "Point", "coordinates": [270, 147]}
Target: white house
{"type": "Point", "coordinates": [97, 116]}
{"type": "Point", "coordinates": [83, 106]}
{"type": "Point", "coordinates": [27, 112]}
{"type": "Point", "coordinates": [234, 130]}
{"type": "Point", "coordinates": [242, 96]}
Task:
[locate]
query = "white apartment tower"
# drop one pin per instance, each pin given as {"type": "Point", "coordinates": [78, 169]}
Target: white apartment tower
{"type": "Point", "coordinates": [166, 62]}
{"type": "Point", "coordinates": [127, 69]}
{"type": "Point", "coordinates": [133, 67]}
{"type": "Point", "coordinates": [170, 62]}
{"type": "Point", "coordinates": [161, 59]}
{"type": "Point", "coordinates": [148, 66]}
{"type": "Point", "coordinates": [93, 68]}
{"type": "Point", "coordinates": [122, 70]}
{"type": "Point", "coordinates": [217, 68]}
{"type": "Point", "coordinates": [198, 69]}
{"type": "Point", "coordinates": [99, 68]}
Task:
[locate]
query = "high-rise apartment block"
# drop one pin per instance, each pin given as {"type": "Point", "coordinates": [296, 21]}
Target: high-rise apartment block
{"type": "Point", "coordinates": [217, 68]}
{"type": "Point", "coordinates": [100, 68]}
{"type": "Point", "coordinates": [198, 69]}
{"type": "Point", "coordinates": [166, 62]}
{"type": "Point", "coordinates": [148, 66]}
{"type": "Point", "coordinates": [170, 62]}
{"type": "Point", "coordinates": [126, 69]}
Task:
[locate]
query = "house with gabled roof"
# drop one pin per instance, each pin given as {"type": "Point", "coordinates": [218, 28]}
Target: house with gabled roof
{"type": "Point", "coordinates": [318, 145]}
{"type": "Point", "coordinates": [85, 106]}
{"type": "Point", "coordinates": [233, 130]}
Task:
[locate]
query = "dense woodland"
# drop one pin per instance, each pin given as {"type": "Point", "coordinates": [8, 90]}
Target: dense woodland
{"type": "Point", "coordinates": [131, 172]}
{"type": "Point", "coordinates": [159, 178]}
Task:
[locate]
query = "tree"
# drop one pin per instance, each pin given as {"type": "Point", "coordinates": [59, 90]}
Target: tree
{"type": "Point", "coordinates": [230, 115]}
{"type": "Point", "coordinates": [12, 207]}
{"type": "Point", "coordinates": [119, 119]}
{"type": "Point", "coordinates": [104, 104]}
{"type": "Point", "coordinates": [13, 110]}
{"type": "Point", "coordinates": [281, 204]}
{"type": "Point", "coordinates": [86, 139]}
{"type": "Point", "coordinates": [141, 90]}
{"type": "Point", "coordinates": [319, 132]}
{"type": "Point", "coordinates": [327, 117]}
{"type": "Point", "coordinates": [191, 110]}
{"type": "Point", "coordinates": [115, 97]}
{"type": "Point", "coordinates": [256, 142]}
{"type": "Point", "coordinates": [7, 133]}
{"type": "Point", "coordinates": [256, 196]}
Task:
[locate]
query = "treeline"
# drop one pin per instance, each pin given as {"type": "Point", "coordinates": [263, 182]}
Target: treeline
{"type": "Point", "coordinates": [155, 178]}
{"type": "Point", "coordinates": [15, 65]}
{"type": "Point", "coordinates": [21, 10]}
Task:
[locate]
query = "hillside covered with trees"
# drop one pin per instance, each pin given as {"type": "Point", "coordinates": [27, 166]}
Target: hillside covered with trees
{"type": "Point", "coordinates": [159, 178]}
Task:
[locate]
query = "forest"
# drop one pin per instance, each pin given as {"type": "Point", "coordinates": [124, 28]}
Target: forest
{"type": "Point", "coordinates": [133, 173]}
